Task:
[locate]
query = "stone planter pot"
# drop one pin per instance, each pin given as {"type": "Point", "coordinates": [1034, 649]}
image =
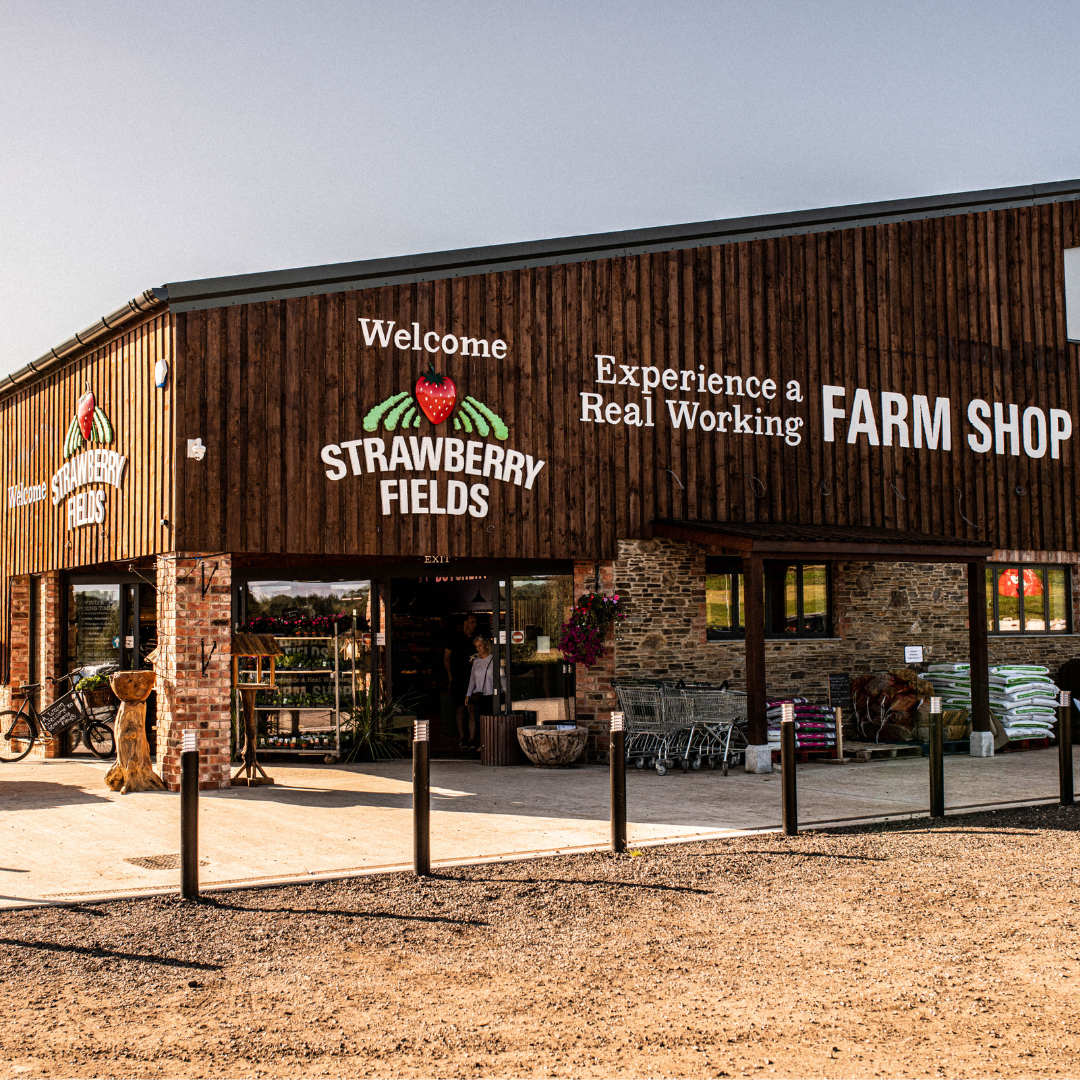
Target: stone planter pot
{"type": "Point", "coordinates": [547, 748]}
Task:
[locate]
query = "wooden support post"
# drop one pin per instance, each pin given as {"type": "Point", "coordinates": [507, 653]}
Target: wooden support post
{"type": "Point", "coordinates": [754, 609]}
{"type": "Point", "coordinates": [977, 646]}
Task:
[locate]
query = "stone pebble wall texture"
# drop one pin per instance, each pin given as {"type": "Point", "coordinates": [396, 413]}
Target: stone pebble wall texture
{"type": "Point", "coordinates": [878, 608]}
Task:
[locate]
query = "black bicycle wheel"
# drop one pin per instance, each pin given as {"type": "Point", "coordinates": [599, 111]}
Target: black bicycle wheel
{"type": "Point", "coordinates": [99, 740]}
{"type": "Point", "coordinates": [17, 735]}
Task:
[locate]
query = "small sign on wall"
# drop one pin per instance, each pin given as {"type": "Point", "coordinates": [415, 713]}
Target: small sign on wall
{"type": "Point", "coordinates": [913, 654]}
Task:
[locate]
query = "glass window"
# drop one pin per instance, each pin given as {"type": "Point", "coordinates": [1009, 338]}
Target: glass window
{"type": "Point", "coordinates": [97, 624]}
{"type": "Point", "coordinates": [721, 613]}
{"type": "Point", "coordinates": [303, 599]}
{"type": "Point", "coordinates": [796, 599]}
{"type": "Point", "coordinates": [1059, 604]}
{"type": "Point", "coordinates": [1028, 599]}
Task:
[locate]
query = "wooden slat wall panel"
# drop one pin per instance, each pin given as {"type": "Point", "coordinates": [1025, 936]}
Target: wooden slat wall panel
{"type": "Point", "coordinates": [140, 514]}
{"type": "Point", "coordinates": [959, 307]}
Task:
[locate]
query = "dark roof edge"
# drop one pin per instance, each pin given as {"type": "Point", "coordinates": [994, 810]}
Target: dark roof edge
{"type": "Point", "coordinates": [133, 311]}
{"type": "Point", "coordinates": [375, 273]}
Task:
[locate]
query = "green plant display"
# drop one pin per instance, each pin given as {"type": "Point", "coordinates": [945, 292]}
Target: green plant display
{"type": "Point", "coordinates": [93, 682]}
{"type": "Point", "coordinates": [368, 731]}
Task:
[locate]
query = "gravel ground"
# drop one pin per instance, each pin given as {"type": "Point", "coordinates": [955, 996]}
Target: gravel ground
{"type": "Point", "coordinates": [907, 950]}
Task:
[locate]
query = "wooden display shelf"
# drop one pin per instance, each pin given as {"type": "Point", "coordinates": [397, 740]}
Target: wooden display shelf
{"type": "Point", "coordinates": [294, 708]}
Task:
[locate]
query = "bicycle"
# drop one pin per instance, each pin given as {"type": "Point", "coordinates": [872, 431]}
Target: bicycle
{"type": "Point", "coordinates": [20, 729]}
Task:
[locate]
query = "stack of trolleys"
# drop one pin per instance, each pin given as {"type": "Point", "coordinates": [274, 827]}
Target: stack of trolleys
{"type": "Point", "coordinates": [643, 712]}
{"type": "Point", "coordinates": [679, 732]}
{"type": "Point", "coordinates": [716, 714]}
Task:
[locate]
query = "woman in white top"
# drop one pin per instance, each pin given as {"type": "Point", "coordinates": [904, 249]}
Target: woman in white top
{"type": "Point", "coordinates": [480, 695]}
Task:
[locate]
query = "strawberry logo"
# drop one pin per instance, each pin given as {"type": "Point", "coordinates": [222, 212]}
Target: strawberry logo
{"type": "Point", "coordinates": [89, 424]}
{"type": "Point", "coordinates": [436, 394]}
{"type": "Point", "coordinates": [85, 413]}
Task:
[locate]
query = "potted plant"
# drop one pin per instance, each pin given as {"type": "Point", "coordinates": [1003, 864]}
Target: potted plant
{"type": "Point", "coordinates": [97, 691]}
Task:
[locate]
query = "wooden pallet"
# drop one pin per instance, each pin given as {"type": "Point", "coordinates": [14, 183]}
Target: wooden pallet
{"type": "Point", "coordinates": [949, 746]}
{"type": "Point", "coordinates": [881, 751]}
{"type": "Point", "coordinates": [1015, 746]}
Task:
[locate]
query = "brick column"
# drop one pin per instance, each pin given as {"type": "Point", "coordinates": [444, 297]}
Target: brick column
{"type": "Point", "coordinates": [49, 647]}
{"type": "Point", "coordinates": [189, 626]}
{"type": "Point", "coordinates": [19, 645]}
{"type": "Point", "coordinates": [595, 697]}
{"type": "Point", "coordinates": [52, 643]}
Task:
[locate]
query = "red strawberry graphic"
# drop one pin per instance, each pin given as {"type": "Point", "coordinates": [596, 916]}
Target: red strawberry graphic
{"type": "Point", "coordinates": [85, 413]}
{"type": "Point", "coordinates": [436, 393]}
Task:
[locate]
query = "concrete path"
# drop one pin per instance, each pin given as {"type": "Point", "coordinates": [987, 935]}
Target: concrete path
{"type": "Point", "coordinates": [65, 836]}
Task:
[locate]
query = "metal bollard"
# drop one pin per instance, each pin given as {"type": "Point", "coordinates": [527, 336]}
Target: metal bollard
{"type": "Point", "coordinates": [189, 815]}
{"type": "Point", "coordinates": [787, 770]}
{"type": "Point", "coordinates": [1065, 755]}
{"type": "Point", "coordinates": [617, 758]}
{"type": "Point", "coordinates": [937, 761]}
{"type": "Point", "coordinates": [421, 800]}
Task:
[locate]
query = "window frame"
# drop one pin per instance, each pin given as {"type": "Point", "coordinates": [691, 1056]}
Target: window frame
{"type": "Point", "coordinates": [1043, 570]}
{"type": "Point", "coordinates": [720, 565]}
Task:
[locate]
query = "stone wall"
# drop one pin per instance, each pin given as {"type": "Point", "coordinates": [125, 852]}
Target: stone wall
{"type": "Point", "coordinates": [878, 608]}
{"type": "Point", "coordinates": [190, 625]}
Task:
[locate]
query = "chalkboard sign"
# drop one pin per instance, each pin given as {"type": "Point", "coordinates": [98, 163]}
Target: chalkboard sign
{"type": "Point", "coordinates": [840, 690]}
{"type": "Point", "coordinates": [61, 715]}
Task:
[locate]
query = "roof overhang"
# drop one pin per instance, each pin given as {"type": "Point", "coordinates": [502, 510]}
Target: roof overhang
{"type": "Point", "coordinates": [827, 542]}
{"type": "Point", "coordinates": [219, 292]}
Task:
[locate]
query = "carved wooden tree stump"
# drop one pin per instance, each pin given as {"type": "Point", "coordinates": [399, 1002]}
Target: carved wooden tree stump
{"type": "Point", "coordinates": [133, 770]}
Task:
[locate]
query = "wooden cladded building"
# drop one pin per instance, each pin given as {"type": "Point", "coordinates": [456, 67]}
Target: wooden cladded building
{"type": "Point", "coordinates": [686, 413]}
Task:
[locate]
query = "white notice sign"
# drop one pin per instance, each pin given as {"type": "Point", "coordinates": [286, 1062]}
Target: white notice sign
{"type": "Point", "coordinates": [913, 654]}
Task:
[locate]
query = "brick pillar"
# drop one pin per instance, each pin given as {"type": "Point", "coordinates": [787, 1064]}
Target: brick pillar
{"type": "Point", "coordinates": [189, 625]}
{"type": "Point", "coordinates": [52, 642]}
{"type": "Point", "coordinates": [50, 654]}
{"type": "Point", "coordinates": [49, 648]}
{"type": "Point", "coordinates": [595, 697]}
{"type": "Point", "coordinates": [19, 645]}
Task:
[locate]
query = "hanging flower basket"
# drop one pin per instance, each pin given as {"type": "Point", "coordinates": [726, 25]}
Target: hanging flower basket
{"type": "Point", "coordinates": [581, 638]}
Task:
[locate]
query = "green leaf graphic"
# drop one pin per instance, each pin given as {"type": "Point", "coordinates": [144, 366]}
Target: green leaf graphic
{"type": "Point", "coordinates": [397, 412]}
{"type": "Point", "coordinates": [481, 424]}
{"type": "Point", "coordinates": [501, 430]}
{"type": "Point", "coordinates": [371, 420]}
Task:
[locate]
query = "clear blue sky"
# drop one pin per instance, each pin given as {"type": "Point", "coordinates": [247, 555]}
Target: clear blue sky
{"type": "Point", "coordinates": [143, 143]}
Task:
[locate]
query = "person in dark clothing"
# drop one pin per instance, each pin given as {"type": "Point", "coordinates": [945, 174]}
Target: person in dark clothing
{"type": "Point", "coordinates": [457, 660]}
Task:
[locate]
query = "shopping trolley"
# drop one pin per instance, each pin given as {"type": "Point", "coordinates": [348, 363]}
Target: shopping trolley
{"type": "Point", "coordinates": [715, 715]}
{"type": "Point", "coordinates": [643, 711]}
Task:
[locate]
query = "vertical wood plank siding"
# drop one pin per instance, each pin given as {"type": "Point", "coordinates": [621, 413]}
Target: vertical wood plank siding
{"type": "Point", "coordinates": [35, 421]}
{"type": "Point", "coordinates": [961, 307]}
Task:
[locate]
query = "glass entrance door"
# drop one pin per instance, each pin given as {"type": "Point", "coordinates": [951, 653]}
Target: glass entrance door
{"type": "Point", "coordinates": [539, 605]}
{"type": "Point", "coordinates": [138, 610]}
